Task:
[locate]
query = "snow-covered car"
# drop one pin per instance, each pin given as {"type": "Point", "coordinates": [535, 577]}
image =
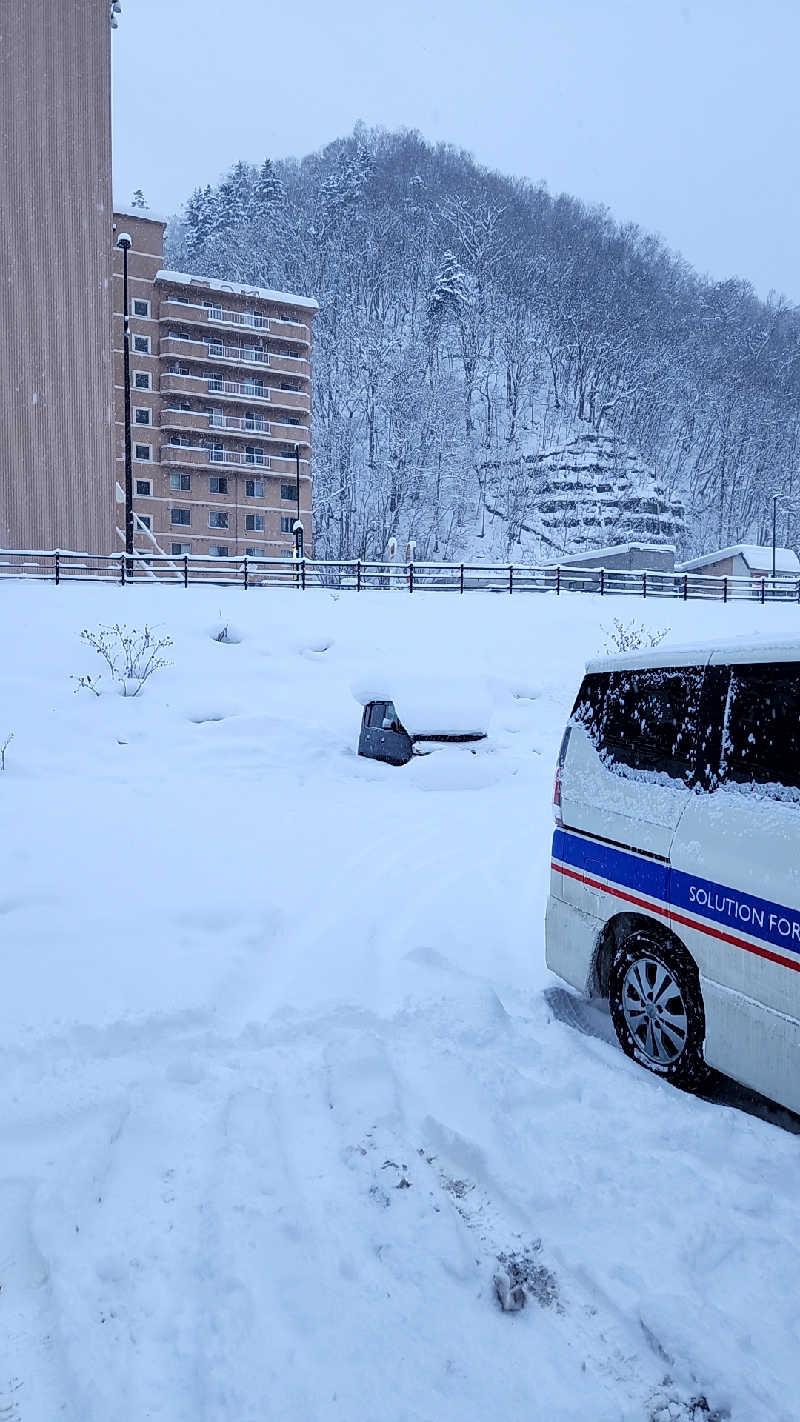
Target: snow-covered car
{"type": "Point", "coordinates": [675, 878]}
{"type": "Point", "coordinates": [418, 718]}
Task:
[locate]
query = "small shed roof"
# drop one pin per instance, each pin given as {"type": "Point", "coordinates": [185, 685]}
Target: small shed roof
{"type": "Point", "coordinates": [430, 705]}
{"type": "Point", "coordinates": [757, 557]}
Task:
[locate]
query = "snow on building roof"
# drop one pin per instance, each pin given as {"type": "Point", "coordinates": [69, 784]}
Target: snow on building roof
{"type": "Point", "coordinates": [758, 558]}
{"type": "Point", "coordinates": [141, 214]}
{"type": "Point", "coordinates": [429, 706]}
{"type": "Point", "coordinates": [736, 650]}
{"type": "Point", "coordinates": [236, 288]}
{"type": "Point", "coordinates": [612, 551]}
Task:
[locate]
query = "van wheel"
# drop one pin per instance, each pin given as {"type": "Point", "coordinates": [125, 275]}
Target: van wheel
{"type": "Point", "coordinates": [657, 1009]}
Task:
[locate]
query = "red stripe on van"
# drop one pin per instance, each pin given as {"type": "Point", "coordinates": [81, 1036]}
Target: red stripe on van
{"type": "Point", "coordinates": [677, 917]}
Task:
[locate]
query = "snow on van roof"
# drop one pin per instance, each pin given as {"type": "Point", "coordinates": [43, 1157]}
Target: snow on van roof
{"type": "Point", "coordinates": [736, 650]}
{"type": "Point", "coordinates": [429, 705]}
{"type": "Point", "coordinates": [758, 558]}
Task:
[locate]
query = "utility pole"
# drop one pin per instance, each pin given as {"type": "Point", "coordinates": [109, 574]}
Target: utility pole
{"type": "Point", "coordinates": [124, 241]}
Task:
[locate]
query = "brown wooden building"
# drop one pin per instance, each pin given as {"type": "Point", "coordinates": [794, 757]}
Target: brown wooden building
{"type": "Point", "coordinates": [55, 292]}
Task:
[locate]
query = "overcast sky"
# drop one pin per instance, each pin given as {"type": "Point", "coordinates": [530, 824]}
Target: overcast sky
{"type": "Point", "coordinates": [681, 115]}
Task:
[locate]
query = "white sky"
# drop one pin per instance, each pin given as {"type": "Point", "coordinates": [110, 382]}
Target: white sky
{"type": "Point", "coordinates": [681, 115]}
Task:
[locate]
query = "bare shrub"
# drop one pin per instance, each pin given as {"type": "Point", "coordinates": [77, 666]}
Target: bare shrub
{"type": "Point", "coordinates": [131, 654]}
{"type": "Point", "coordinates": [630, 636]}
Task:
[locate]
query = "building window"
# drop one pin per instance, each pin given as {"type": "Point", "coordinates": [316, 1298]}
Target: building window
{"type": "Point", "coordinates": [144, 452]}
{"type": "Point", "coordinates": [288, 453]}
{"type": "Point", "coordinates": [144, 521]}
{"type": "Point", "coordinates": [141, 415]}
{"type": "Point", "coordinates": [286, 523]}
{"type": "Point", "coordinates": [288, 385]}
{"type": "Point", "coordinates": [218, 484]}
{"type": "Point", "coordinates": [141, 344]}
{"type": "Point", "coordinates": [215, 418]}
{"type": "Point", "coordinates": [254, 523]}
{"type": "Point", "coordinates": [289, 491]}
{"type": "Point", "coordinates": [144, 488]}
{"type": "Point", "coordinates": [140, 308]}
{"type": "Point", "coordinates": [180, 483]}
{"type": "Point", "coordinates": [254, 455]}
{"type": "Point", "coordinates": [287, 552]}
{"type": "Point", "coordinates": [217, 519]}
{"type": "Point", "coordinates": [255, 552]}
{"type": "Point", "coordinates": [175, 336]}
{"type": "Point", "coordinates": [218, 550]}
{"type": "Point", "coordinates": [180, 516]}
{"type": "Point", "coordinates": [180, 550]}
{"type": "Point", "coordinates": [184, 300]}
{"type": "Point", "coordinates": [141, 380]}
{"type": "Point", "coordinates": [254, 488]}
{"type": "Point", "coordinates": [292, 420]}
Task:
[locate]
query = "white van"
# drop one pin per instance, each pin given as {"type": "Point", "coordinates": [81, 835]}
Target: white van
{"type": "Point", "coordinates": [675, 886]}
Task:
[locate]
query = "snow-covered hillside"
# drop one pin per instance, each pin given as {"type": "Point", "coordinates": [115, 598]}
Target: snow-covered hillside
{"type": "Point", "coordinates": [285, 1074]}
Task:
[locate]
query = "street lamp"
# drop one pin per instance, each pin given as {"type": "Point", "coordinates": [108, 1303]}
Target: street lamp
{"type": "Point", "coordinates": [125, 242]}
{"type": "Point", "coordinates": [297, 470]}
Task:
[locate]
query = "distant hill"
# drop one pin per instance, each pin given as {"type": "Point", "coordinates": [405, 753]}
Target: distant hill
{"type": "Point", "coordinates": [472, 323]}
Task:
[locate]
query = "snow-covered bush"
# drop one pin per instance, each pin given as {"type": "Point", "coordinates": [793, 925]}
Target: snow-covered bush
{"type": "Point", "coordinates": [629, 636]}
{"type": "Point", "coordinates": [131, 654]}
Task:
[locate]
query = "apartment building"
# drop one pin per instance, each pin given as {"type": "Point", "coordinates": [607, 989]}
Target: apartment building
{"type": "Point", "coordinates": [220, 407]}
{"type": "Point", "coordinates": [56, 429]}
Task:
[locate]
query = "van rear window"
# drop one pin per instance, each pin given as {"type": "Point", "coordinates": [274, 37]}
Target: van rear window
{"type": "Point", "coordinates": [761, 743]}
{"type": "Point", "coordinates": [645, 720]}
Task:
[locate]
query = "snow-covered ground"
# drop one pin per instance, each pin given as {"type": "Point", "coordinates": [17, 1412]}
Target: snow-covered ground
{"type": "Point", "coordinates": [284, 1073]}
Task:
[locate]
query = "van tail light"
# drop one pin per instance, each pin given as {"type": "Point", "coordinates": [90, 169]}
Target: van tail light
{"type": "Point", "coordinates": [557, 784]}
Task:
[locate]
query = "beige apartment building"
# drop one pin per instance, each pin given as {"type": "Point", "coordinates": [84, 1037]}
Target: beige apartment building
{"type": "Point", "coordinates": [220, 407]}
{"type": "Point", "coordinates": [56, 431]}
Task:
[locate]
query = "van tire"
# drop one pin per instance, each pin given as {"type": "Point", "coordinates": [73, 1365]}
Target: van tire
{"type": "Point", "coordinates": [657, 1009]}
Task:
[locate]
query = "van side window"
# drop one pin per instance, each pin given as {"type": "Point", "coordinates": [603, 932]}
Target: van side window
{"type": "Point", "coordinates": [377, 714]}
{"type": "Point", "coordinates": [649, 720]}
{"type": "Point", "coordinates": [761, 745]}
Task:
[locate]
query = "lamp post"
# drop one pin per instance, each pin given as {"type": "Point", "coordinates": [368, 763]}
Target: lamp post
{"type": "Point", "coordinates": [124, 241]}
{"type": "Point", "coordinates": [297, 472]}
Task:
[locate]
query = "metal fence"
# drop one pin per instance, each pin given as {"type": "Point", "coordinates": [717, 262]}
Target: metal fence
{"type": "Point", "coordinates": [361, 576]}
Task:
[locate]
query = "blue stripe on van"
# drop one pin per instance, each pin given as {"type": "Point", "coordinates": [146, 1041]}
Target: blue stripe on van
{"type": "Point", "coordinates": [759, 918]}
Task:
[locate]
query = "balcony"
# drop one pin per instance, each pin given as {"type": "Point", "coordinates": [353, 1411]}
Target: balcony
{"type": "Point", "coordinates": [194, 314]}
{"type": "Point", "coordinates": [241, 424]}
{"type": "Point", "coordinates": [252, 460]}
{"type": "Point", "coordinates": [237, 389]}
{"type": "Point", "coordinates": [291, 365]}
{"type": "Point", "coordinates": [173, 384]}
{"type": "Point", "coordinates": [184, 455]}
{"type": "Point", "coordinates": [290, 434]}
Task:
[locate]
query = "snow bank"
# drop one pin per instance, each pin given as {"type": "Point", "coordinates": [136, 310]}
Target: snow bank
{"type": "Point", "coordinates": [286, 1084]}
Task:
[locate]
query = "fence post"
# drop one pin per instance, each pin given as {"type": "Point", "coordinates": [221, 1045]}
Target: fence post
{"type": "Point", "coordinates": [461, 583]}
{"type": "Point", "coordinates": [511, 577]}
{"type": "Point", "coordinates": [411, 577]}
{"type": "Point", "coordinates": [763, 581]}
{"type": "Point", "coordinates": [685, 586]}
{"type": "Point", "coordinates": [185, 570]}
{"type": "Point", "coordinates": [644, 582]}
{"type": "Point", "coordinates": [122, 568]}
{"type": "Point", "coordinates": [303, 573]}
{"type": "Point", "coordinates": [558, 581]}
{"type": "Point", "coordinates": [725, 588]}
{"type": "Point", "coordinates": [358, 576]}
{"type": "Point", "coordinates": [244, 565]}
{"type": "Point", "coordinates": [58, 572]}
{"type": "Point", "coordinates": [602, 581]}
{"type": "Point", "coordinates": [798, 589]}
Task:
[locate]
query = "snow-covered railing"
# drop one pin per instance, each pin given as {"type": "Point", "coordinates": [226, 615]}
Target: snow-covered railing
{"type": "Point", "coordinates": [361, 575]}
